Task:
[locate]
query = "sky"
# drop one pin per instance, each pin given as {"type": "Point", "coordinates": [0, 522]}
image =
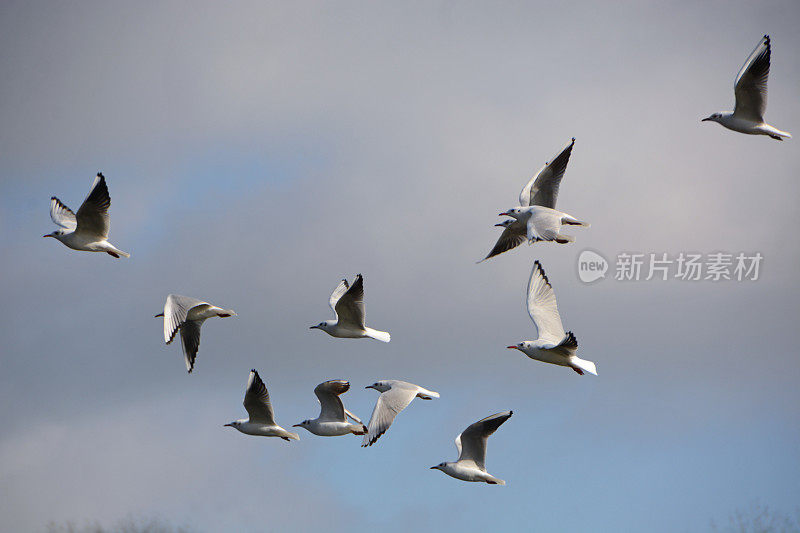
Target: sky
{"type": "Point", "coordinates": [257, 153]}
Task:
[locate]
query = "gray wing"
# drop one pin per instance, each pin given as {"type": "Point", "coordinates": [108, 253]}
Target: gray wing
{"type": "Point", "coordinates": [471, 443]}
{"type": "Point", "coordinates": [92, 216]}
{"type": "Point", "coordinates": [389, 404]}
{"type": "Point", "coordinates": [337, 294]}
{"type": "Point", "coordinates": [190, 341]}
{"type": "Point", "coordinates": [256, 400]}
{"type": "Point", "coordinates": [510, 238]}
{"type": "Point", "coordinates": [62, 215]}
{"type": "Point", "coordinates": [350, 307]}
{"type": "Point", "coordinates": [542, 306]}
{"type": "Point", "coordinates": [176, 310]}
{"type": "Point", "coordinates": [751, 83]}
{"type": "Point", "coordinates": [542, 189]}
{"type": "Point", "coordinates": [331, 407]}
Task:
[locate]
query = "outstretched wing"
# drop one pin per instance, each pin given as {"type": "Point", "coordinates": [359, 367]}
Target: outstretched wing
{"type": "Point", "coordinates": [751, 83]}
{"type": "Point", "coordinates": [389, 404]}
{"type": "Point", "coordinates": [256, 400]}
{"type": "Point", "coordinates": [510, 238]}
{"type": "Point", "coordinates": [176, 309]}
{"type": "Point", "coordinates": [542, 306]}
{"type": "Point", "coordinates": [337, 293]}
{"type": "Point", "coordinates": [471, 443]}
{"type": "Point", "coordinates": [190, 341]}
{"type": "Point", "coordinates": [331, 407]}
{"type": "Point", "coordinates": [542, 189]}
{"type": "Point", "coordinates": [350, 307]}
{"type": "Point", "coordinates": [92, 216]}
{"type": "Point", "coordinates": [62, 215]}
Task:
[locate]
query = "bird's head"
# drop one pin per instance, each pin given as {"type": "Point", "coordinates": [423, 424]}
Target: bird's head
{"type": "Point", "coordinates": [302, 424]}
{"type": "Point", "coordinates": [506, 223]}
{"type": "Point", "coordinates": [440, 466]}
{"type": "Point", "coordinates": [234, 424]}
{"type": "Point", "coordinates": [515, 212]}
{"type": "Point", "coordinates": [519, 346]}
{"type": "Point", "coordinates": [713, 118]}
{"type": "Point", "coordinates": [380, 386]}
{"type": "Point", "coordinates": [322, 325]}
{"type": "Point", "coordinates": [56, 234]}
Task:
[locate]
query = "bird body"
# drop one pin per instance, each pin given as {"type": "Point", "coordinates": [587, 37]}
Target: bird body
{"type": "Point", "coordinates": [395, 396]}
{"type": "Point", "coordinates": [332, 420]}
{"type": "Point", "coordinates": [347, 303]}
{"type": "Point", "coordinates": [554, 345]}
{"type": "Point", "coordinates": [86, 230]}
{"type": "Point", "coordinates": [750, 89]}
{"type": "Point", "coordinates": [185, 314]}
{"type": "Point", "coordinates": [544, 223]}
{"type": "Point", "coordinates": [261, 421]}
{"type": "Point", "coordinates": [471, 446]}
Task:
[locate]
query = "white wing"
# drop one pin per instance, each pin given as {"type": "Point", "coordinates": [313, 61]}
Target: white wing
{"type": "Point", "coordinates": [256, 400]}
{"type": "Point", "coordinates": [92, 216]}
{"type": "Point", "coordinates": [542, 189]}
{"type": "Point", "coordinates": [389, 404]}
{"type": "Point", "coordinates": [471, 443]}
{"type": "Point", "coordinates": [62, 215]}
{"type": "Point", "coordinates": [542, 306]}
{"type": "Point", "coordinates": [350, 307]}
{"type": "Point", "coordinates": [751, 83]}
{"type": "Point", "coordinates": [176, 309]}
{"type": "Point", "coordinates": [331, 407]}
{"type": "Point", "coordinates": [337, 293]}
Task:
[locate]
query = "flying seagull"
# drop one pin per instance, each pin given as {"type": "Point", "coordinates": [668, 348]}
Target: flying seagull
{"type": "Point", "coordinates": [86, 230]}
{"type": "Point", "coordinates": [347, 302]}
{"type": "Point", "coordinates": [395, 396]}
{"type": "Point", "coordinates": [332, 419]}
{"type": "Point", "coordinates": [261, 421]}
{"type": "Point", "coordinates": [541, 190]}
{"type": "Point", "coordinates": [187, 315]}
{"type": "Point", "coordinates": [471, 446]}
{"type": "Point", "coordinates": [553, 345]}
{"type": "Point", "coordinates": [750, 89]}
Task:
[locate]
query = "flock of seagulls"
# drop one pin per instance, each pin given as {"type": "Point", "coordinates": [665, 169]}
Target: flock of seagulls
{"type": "Point", "coordinates": [535, 219]}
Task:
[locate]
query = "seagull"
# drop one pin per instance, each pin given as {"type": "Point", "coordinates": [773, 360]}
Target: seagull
{"type": "Point", "coordinates": [187, 315]}
{"type": "Point", "coordinates": [553, 345]}
{"type": "Point", "coordinates": [262, 419]}
{"type": "Point", "coordinates": [542, 190]}
{"type": "Point", "coordinates": [750, 89]}
{"type": "Point", "coordinates": [347, 303]}
{"type": "Point", "coordinates": [86, 230]}
{"type": "Point", "coordinates": [471, 446]}
{"type": "Point", "coordinates": [395, 396]}
{"type": "Point", "coordinates": [544, 224]}
{"type": "Point", "coordinates": [332, 420]}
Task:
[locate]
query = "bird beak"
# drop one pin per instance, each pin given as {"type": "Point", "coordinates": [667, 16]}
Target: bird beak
{"type": "Point", "coordinates": [48, 235]}
{"type": "Point", "coordinates": [501, 224]}
{"type": "Point", "coordinates": [297, 425]}
{"type": "Point", "coordinates": [512, 347]}
{"type": "Point", "coordinates": [228, 425]}
{"type": "Point", "coordinates": [158, 315]}
{"type": "Point", "coordinates": [707, 118]}
{"type": "Point", "coordinates": [314, 327]}
{"type": "Point", "coordinates": [434, 467]}
{"type": "Point", "coordinates": [503, 214]}
{"type": "Point", "coordinates": [369, 387]}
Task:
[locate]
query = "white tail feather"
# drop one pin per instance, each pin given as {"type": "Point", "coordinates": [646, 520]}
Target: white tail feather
{"type": "Point", "coordinates": [378, 335]}
{"type": "Point", "coordinates": [584, 365]}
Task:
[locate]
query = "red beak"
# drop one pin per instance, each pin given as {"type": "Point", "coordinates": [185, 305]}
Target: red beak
{"type": "Point", "coordinates": [511, 347]}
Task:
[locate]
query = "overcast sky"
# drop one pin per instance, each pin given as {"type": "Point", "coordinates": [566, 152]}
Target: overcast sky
{"type": "Point", "coordinates": [258, 153]}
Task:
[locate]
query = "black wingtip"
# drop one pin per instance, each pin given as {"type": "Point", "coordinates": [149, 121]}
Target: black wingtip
{"type": "Point", "coordinates": [53, 198]}
{"type": "Point", "coordinates": [100, 175]}
{"type": "Point", "coordinates": [573, 140]}
{"type": "Point", "coordinates": [510, 413]}
{"type": "Point", "coordinates": [253, 370]}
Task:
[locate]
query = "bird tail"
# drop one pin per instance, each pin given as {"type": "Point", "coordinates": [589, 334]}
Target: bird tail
{"type": "Point", "coordinates": [116, 252]}
{"type": "Point", "coordinates": [495, 481]}
{"type": "Point", "coordinates": [572, 221]}
{"type": "Point", "coordinates": [426, 394]}
{"type": "Point", "coordinates": [378, 335]}
{"type": "Point", "coordinates": [584, 365]}
{"type": "Point", "coordinates": [290, 435]}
